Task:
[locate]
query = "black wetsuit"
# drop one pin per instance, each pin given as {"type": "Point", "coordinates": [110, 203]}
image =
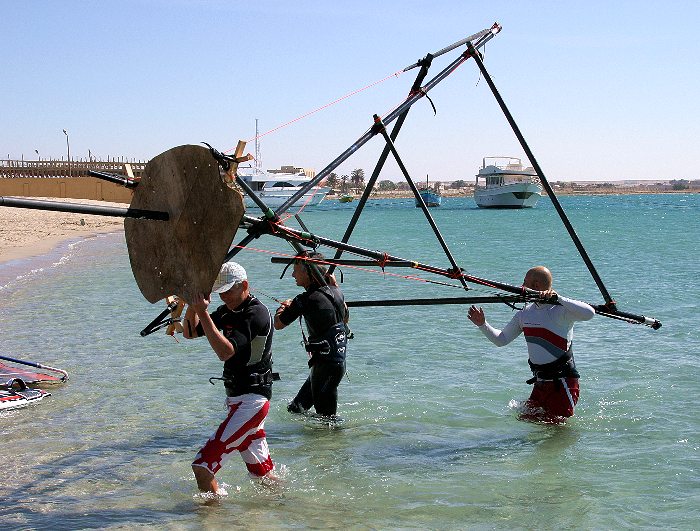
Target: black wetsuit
{"type": "Point", "coordinates": [249, 329]}
{"type": "Point", "coordinates": [324, 312]}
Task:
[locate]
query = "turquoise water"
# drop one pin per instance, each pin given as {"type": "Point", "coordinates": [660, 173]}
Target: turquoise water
{"type": "Point", "coordinates": [430, 437]}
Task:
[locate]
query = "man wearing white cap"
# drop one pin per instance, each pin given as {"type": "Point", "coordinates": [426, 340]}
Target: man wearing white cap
{"type": "Point", "coordinates": [240, 332]}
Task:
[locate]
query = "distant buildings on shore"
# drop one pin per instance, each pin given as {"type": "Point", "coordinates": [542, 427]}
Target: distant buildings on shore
{"type": "Point", "coordinates": [309, 172]}
{"type": "Point", "coordinates": [448, 187]}
{"type": "Point", "coordinates": [14, 168]}
{"type": "Point", "coordinates": [629, 185]}
{"type": "Point", "coordinates": [20, 168]}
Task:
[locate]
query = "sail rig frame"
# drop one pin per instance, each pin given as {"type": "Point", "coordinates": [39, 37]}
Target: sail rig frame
{"type": "Point", "coordinates": [270, 222]}
{"type": "Point", "coordinates": [265, 225]}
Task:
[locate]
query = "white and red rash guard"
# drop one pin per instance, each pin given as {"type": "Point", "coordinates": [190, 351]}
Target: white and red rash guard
{"type": "Point", "coordinates": [548, 328]}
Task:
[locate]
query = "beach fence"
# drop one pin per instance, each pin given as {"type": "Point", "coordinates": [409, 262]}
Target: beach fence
{"type": "Point", "coordinates": [60, 178]}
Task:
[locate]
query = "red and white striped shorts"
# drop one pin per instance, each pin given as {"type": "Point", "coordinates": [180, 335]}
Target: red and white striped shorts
{"type": "Point", "coordinates": [242, 431]}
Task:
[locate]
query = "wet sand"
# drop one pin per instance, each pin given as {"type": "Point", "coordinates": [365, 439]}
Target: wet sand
{"type": "Point", "coordinates": [25, 233]}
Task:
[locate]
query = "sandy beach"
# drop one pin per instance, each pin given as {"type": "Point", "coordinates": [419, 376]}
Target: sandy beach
{"type": "Point", "coordinates": [26, 232]}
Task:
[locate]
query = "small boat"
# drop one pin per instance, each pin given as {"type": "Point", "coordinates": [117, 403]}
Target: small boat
{"type": "Point", "coordinates": [346, 198]}
{"type": "Point", "coordinates": [15, 394]}
{"type": "Point", "coordinates": [507, 184]}
{"type": "Point", "coordinates": [275, 188]}
{"type": "Point", "coordinates": [431, 196]}
{"type": "Point", "coordinates": [15, 381]}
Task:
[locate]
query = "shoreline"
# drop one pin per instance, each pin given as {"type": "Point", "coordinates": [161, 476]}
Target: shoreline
{"type": "Point", "coordinates": [407, 194]}
{"type": "Point", "coordinates": [28, 233]}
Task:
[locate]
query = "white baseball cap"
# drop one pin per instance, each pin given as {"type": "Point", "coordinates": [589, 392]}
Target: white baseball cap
{"type": "Point", "coordinates": [231, 273]}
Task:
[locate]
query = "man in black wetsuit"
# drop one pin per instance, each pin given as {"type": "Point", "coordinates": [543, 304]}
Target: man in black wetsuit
{"type": "Point", "coordinates": [325, 313]}
{"type": "Point", "coordinates": [240, 333]}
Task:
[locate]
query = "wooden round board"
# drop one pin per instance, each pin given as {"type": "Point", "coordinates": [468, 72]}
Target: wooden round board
{"type": "Point", "coordinates": [182, 256]}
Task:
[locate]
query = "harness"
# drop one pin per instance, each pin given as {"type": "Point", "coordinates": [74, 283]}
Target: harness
{"type": "Point", "coordinates": [240, 385]}
{"type": "Point", "coordinates": [332, 344]}
{"type": "Point", "coordinates": [564, 367]}
{"type": "Point", "coordinates": [240, 380]}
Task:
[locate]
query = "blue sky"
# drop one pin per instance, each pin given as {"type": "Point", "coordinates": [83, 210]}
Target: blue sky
{"type": "Point", "coordinates": [601, 90]}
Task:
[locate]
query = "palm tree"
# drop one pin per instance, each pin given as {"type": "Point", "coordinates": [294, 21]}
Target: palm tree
{"type": "Point", "coordinates": [332, 180]}
{"type": "Point", "coordinates": [358, 179]}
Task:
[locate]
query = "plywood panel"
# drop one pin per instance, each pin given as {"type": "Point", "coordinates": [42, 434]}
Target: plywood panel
{"type": "Point", "coordinates": [182, 256]}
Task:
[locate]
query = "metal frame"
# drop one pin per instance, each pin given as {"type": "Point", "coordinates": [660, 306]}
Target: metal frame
{"type": "Point", "coordinates": [270, 223]}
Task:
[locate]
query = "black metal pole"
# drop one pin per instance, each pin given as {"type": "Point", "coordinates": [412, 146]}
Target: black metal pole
{"type": "Point", "coordinates": [153, 325]}
{"type": "Point", "coordinates": [113, 178]}
{"type": "Point", "coordinates": [290, 233]}
{"type": "Point", "coordinates": [493, 29]}
{"type": "Point", "coordinates": [313, 268]}
{"type": "Point", "coordinates": [259, 226]}
{"type": "Point", "coordinates": [425, 65]}
{"type": "Point", "coordinates": [572, 233]}
{"type": "Point", "coordinates": [349, 262]}
{"type": "Point", "coordinates": [84, 209]}
{"type": "Point", "coordinates": [267, 211]}
{"type": "Point", "coordinates": [237, 248]}
{"type": "Point", "coordinates": [270, 216]}
{"type": "Point", "coordinates": [512, 299]}
{"type": "Point", "coordinates": [383, 258]}
{"type": "Point", "coordinates": [508, 299]}
{"type": "Point", "coordinates": [416, 93]}
{"type": "Point", "coordinates": [420, 200]}
{"type": "Point", "coordinates": [388, 119]}
{"type": "Point", "coordinates": [606, 311]}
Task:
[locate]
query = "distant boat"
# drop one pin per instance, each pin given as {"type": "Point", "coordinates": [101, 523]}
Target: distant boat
{"type": "Point", "coordinates": [346, 198]}
{"type": "Point", "coordinates": [276, 188]}
{"type": "Point", "coordinates": [431, 196]}
{"type": "Point", "coordinates": [506, 184]}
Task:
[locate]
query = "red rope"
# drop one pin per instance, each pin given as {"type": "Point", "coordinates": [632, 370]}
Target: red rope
{"type": "Point", "coordinates": [421, 90]}
{"type": "Point", "coordinates": [302, 207]}
{"type": "Point", "coordinates": [358, 268]}
{"type": "Point", "coordinates": [301, 117]}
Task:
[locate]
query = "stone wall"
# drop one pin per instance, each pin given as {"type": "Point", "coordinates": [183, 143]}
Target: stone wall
{"type": "Point", "coordinates": [68, 187]}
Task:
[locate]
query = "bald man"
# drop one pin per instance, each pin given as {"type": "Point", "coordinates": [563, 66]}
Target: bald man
{"type": "Point", "coordinates": [548, 328]}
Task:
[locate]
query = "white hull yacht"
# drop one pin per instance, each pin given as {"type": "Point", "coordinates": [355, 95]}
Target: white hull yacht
{"type": "Point", "coordinates": [506, 184]}
{"type": "Point", "coordinates": [276, 188]}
